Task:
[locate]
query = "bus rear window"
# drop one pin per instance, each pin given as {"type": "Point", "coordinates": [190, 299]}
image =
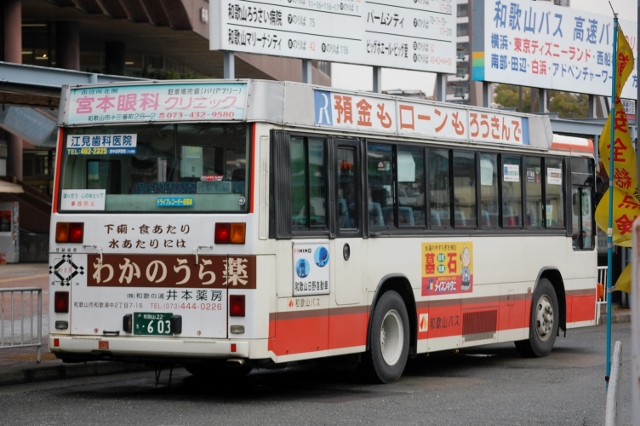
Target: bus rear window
{"type": "Point", "coordinates": [155, 168]}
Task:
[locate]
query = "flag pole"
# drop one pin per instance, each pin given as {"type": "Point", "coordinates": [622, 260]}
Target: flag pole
{"type": "Point", "coordinates": [611, 185]}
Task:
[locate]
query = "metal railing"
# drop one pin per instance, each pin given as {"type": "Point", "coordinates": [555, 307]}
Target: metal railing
{"type": "Point", "coordinates": [21, 318]}
{"type": "Point", "coordinates": [602, 301]}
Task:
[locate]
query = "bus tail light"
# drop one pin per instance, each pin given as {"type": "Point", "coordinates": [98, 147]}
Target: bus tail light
{"type": "Point", "coordinates": [236, 305]}
{"type": "Point", "coordinates": [237, 233]}
{"type": "Point", "coordinates": [69, 232]}
{"type": "Point", "coordinates": [61, 302]}
{"type": "Point", "coordinates": [222, 233]}
{"type": "Point", "coordinates": [230, 233]}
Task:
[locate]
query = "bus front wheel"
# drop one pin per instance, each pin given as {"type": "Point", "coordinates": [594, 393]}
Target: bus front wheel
{"type": "Point", "coordinates": [543, 326]}
{"type": "Point", "coordinates": [389, 343]}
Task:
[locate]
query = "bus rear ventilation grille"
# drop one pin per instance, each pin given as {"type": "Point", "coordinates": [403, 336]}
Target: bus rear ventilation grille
{"type": "Point", "coordinates": [479, 325]}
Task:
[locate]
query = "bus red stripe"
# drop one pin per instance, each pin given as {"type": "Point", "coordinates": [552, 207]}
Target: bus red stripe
{"type": "Point", "coordinates": [581, 307]}
{"type": "Point", "coordinates": [311, 331]}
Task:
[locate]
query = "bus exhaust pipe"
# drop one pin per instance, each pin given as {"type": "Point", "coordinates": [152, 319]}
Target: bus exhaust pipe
{"type": "Point", "coordinates": [235, 362]}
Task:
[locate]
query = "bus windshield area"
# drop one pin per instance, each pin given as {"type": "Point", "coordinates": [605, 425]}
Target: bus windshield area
{"type": "Point", "coordinates": [161, 167]}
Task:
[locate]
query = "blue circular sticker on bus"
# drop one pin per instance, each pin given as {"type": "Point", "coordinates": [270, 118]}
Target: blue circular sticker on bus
{"type": "Point", "coordinates": [302, 268]}
{"type": "Point", "coordinates": [321, 256]}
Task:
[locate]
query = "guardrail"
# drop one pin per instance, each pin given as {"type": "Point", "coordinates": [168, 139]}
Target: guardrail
{"type": "Point", "coordinates": [603, 278]}
{"type": "Point", "coordinates": [20, 313]}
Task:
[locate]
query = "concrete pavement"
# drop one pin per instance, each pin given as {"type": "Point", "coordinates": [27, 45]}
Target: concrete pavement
{"type": "Point", "coordinates": [19, 365]}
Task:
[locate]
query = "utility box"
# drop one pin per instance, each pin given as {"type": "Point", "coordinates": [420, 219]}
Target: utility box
{"type": "Point", "coordinates": [9, 232]}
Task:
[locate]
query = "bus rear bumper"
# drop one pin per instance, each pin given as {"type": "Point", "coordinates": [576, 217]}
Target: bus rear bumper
{"type": "Point", "coordinates": [134, 349]}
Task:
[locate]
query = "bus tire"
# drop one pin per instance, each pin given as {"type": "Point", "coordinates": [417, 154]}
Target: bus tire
{"type": "Point", "coordinates": [389, 344]}
{"type": "Point", "coordinates": [543, 327]}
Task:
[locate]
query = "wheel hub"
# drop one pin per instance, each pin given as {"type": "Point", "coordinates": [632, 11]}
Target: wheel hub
{"type": "Point", "coordinates": [544, 318]}
{"type": "Point", "coordinates": [391, 337]}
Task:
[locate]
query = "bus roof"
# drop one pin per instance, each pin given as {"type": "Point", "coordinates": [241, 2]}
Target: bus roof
{"type": "Point", "coordinates": [572, 144]}
{"type": "Point", "coordinates": [301, 105]}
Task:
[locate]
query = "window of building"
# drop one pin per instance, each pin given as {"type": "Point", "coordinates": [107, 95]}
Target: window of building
{"type": "Point", "coordinates": [463, 10]}
{"type": "Point", "coordinates": [462, 29]}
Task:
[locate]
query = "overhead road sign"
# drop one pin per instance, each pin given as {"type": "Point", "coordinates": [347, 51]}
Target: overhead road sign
{"type": "Point", "coordinates": [415, 35]}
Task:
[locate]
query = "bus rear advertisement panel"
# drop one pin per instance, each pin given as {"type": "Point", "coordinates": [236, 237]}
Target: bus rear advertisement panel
{"type": "Point", "coordinates": [251, 223]}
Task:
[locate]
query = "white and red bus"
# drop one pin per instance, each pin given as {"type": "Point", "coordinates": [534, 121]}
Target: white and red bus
{"type": "Point", "coordinates": [218, 223]}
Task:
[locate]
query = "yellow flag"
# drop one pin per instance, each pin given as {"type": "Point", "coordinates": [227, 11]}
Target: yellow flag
{"type": "Point", "coordinates": [624, 280]}
{"type": "Point", "coordinates": [624, 62]}
{"type": "Point", "coordinates": [625, 165]}
{"type": "Point", "coordinates": [626, 197]}
{"type": "Point", "coordinates": [625, 210]}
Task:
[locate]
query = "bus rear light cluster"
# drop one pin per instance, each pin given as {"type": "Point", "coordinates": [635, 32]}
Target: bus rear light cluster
{"type": "Point", "coordinates": [236, 305]}
{"type": "Point", "coordinates": [230, 233]}
{"type": "Point", "coordinates": [61, 302]}
{"type": "Point", "coordinates": [69, 232]}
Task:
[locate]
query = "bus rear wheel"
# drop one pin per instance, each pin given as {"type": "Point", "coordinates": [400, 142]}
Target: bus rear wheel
{"type": "Point", "coordinates": [543, 326]}
{"type": "Point", "coordinates": [389, 343]}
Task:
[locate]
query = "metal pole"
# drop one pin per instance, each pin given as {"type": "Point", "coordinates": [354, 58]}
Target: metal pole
{"type": "Point", "coordinates": [377, 79]}
{"type": "Point", "coordinates": [229, 64]}
{"type": "Point", "coordinates": [611, 186]}
{"type": "Point", "coordinates": [39, 327]}
{"type": "Point", "coordinates": [307, 71]}
{"type": "Point", "coordinates": [441, 91]}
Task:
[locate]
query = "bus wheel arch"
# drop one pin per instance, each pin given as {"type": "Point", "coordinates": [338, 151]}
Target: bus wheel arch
{"type": "Point", "coordinates": [391, 332]}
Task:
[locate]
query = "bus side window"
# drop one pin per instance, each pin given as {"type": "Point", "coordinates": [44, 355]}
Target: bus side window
{"type": "Point", "coordinates": [553, 190]}
{"type": "Point", "coordinates": [511, 192]}
{"type": "Point", "coordinates": [439, 190]}
{"type": "Point", "coordinates": [410, 186]}
{"type": "Point", "coordinates": [464, 188]}
{"type": "Point", "coordinates": [308, 183]}
{"type": "Point", "coordinates": [533, 201]}
{"type": "Point", "coordinates": [347, 190]}
{"type": "Point", "coordinates": [489, 190]}
{"type": "Point", "coordinates": [381, 188]}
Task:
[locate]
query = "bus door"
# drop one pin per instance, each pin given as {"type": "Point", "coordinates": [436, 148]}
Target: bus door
{"type": "Point", "coordinates": [348, 244]}
{"type": "Point", "coordinates": [347, 320]}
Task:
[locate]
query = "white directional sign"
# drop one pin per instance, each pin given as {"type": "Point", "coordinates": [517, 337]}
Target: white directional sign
{"type": "Point", "coordinates": [416, 35]}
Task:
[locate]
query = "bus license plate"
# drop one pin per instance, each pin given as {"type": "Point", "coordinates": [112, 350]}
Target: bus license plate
{"type": "Point", "coordinates": [152, 324]}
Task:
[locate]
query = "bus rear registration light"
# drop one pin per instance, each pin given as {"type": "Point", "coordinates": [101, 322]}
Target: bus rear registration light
{"type": "Point", "coordinates": [230, 233]}
{"type": "Point", "coordinates": [69, 232]}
